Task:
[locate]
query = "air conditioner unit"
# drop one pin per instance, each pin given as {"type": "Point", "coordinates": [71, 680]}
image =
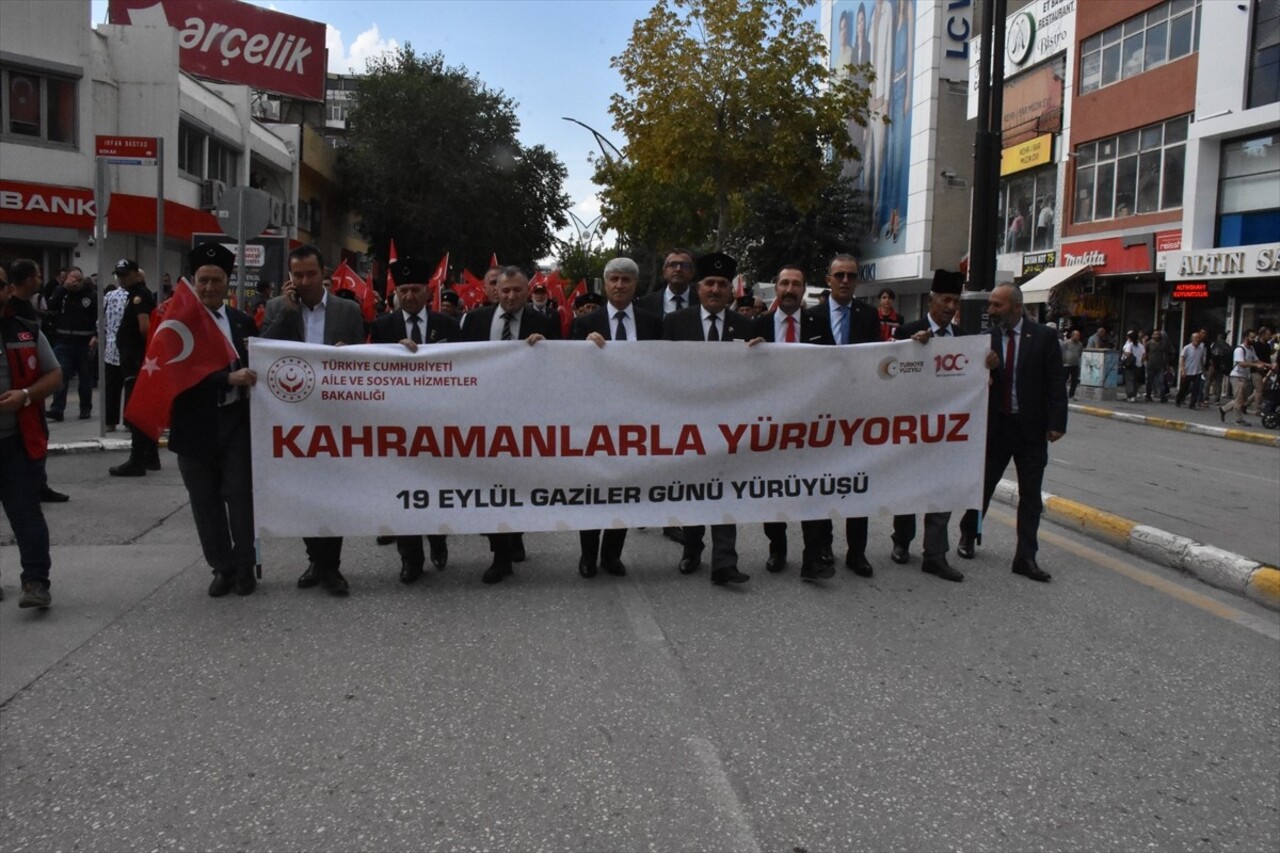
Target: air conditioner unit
{"type": "Point", "coordinates": [277, 212]}
{"type": "Point", "coordinates": [211, 194]}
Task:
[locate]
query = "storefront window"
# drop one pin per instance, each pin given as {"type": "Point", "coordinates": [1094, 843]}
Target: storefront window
{"type": "Point", "coordinates": [1028, 210]}
{"type": "Point", "coordinates": [1249, 191]}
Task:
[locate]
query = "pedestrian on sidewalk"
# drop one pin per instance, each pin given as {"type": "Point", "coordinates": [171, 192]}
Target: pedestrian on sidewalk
{"type": "Point", "coordinates": [1218, 368]}
{"type": "Point", "coordinates": [1158, 359]}
{"type": "Point", "coordinates": [131, 338]}
{"type": "Point", "coordinates": [73, 310]}
{"type": "Point", "coordinates": [1133, 360]}
{"type": "Point", "coordinates": [1191, 370]}
{"type": "Point", "coordinates": [1262, 348]}
{"type": "Point", "coordinates": [29, 373]}
{"type": "Point", "coordinates": [1244, 360]}
{"type": "Point", "coordinates": [1072, 347]}
{"type": "Point", "coordinates": [113, 305]}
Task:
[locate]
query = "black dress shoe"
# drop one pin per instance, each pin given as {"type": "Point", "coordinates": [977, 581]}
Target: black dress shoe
{"type": "Point", "coordinates": [613, 566]}
{"type": "Point", "coordinates": [517, 553]}
{"type": "Point", "coordinates": [965, 548]}
{"type": "Point", "coordinates": [384, 540]}
{"type": "Point", "coordinates": [827, 557]}
{"type": "Point", "coordinates": [309, 578]}
{"type": "Point", "coordinates": [720, 577]}
{"type": "Point", "coordinates": [495, 573]}
{"type": "Point", "coordinates": [940, 567]}
{"type": "Point", "coordinates": [440, 556]}
{"type": "Point", "coordinates": [776, 563]}
{"type": "Point", "coordinates": [689, 565]}
{"type": "Point", "coordinates": [131, 468]}
{"type": "Point", "coordinates": [84, 416]}
{"type": "Point", "coordinates": [675, 534]}
{"type": "Point", "coordinates": [49, 496]}
{"type": "Point", "coordinates": [55, 416]}
{"type": "Point", "coordinates": [859, 565]}
{"type": "Point", "coordinates": [899, 554]}
{"type": "Point", "coordinates": [334, 582]}
{"type": "Point", "coordinates": [409, 572]}
{"type": "Point", "coordinates": [1029, 569]}
{"type": "Point", "coordinates": [220, 585]}
{"type": "Point", "coordinates": [246, 584]}
{"type": "Point", "coordinates": [814, 571]}
{"type": "Point", "coordinates": [152, 461]}
{"type": "Point", "coordinates": [586, 568]}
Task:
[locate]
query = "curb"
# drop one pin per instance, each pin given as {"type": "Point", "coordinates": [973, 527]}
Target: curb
{"type": "Point", "coordinates": [95, 445]}
{"type": "Point", "coordinates": [1228, 433]}
{"type": "Point", "coordinates": [1208, 563]}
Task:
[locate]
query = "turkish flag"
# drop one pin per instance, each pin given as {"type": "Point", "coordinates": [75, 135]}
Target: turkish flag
{"type": "Point", "coordinates": [579, 290]}
{"type": "Point", "coordinates": [471, 291]}
{"type": "Point", "coordinates": [345, 278]}
{"type": "Point", "coordinates": [739, 287]}
{"type": "Point", "coordinates": [437, 281]}
{"type": "Point", "coordinates": [187, 346]}
{"type": "Point", "coordinates": [493, 260]}
{"type": "Point", "coordinates": [392, 257]}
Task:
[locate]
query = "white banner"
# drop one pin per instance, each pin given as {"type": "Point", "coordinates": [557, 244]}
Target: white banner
{"type": "Point", "coordinates": [494, 437]}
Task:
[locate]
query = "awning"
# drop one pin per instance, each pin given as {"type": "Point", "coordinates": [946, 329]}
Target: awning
{"type": "Point", "coordinates": [1037, 289]}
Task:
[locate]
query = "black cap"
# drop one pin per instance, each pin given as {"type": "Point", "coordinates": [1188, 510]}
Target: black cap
{"type": "Point", "coordinates": [947, 282]}
{"type": "Point", "coordinates": [715, 264]}
{"type": "Point", "coordinates": [207, 254]}
{"type": "Point", "coordinates": [408, 271]}
{"type": "Point", "coordinates": [449, 296]}
{"type": "Point", "coordinates": [587, 299]}
{"type": "Point", "coordinates": [124, 265]}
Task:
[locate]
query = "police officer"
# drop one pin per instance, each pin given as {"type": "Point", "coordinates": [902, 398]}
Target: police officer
{"type": "Point", "coordinates": [73, 311]}
{"type": "Point", "coordinates": [131, 340]}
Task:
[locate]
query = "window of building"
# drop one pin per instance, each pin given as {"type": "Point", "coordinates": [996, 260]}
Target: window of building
{"type": "Point", "coordinates": [190, 150]}
{"type": "Point", "coordinates": [37, 106]}
{"type": "Point", "coordinates": [1028, 210]}
{"type": "Point", "coordinates": [1140, 171]}
{"type": "Point", "coordinates": [201, 156]}
{"type": "Point", "coordinates": [222, 163]}
{"type": "Point", "coordinates": [1167, 32]}
{"type": "Point", "coordinates": [1249, 191]}
{"type": "Point", "coordinates": [1264, 65]}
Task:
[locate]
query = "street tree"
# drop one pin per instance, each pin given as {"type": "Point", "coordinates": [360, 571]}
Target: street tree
{"type": "Point", "coordinates": [728, 96]}
{"type": "Point", "coordinates": [432, 161]}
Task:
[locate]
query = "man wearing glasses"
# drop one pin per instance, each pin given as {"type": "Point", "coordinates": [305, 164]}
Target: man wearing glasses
{"type": "Point", "coordinates": [841, 321]}
{"type": "Point", "coordinates": [677, 272]}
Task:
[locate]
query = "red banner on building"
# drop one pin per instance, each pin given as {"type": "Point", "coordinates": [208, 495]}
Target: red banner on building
{"type": "Point", "coordinates": [236, 42]}
{"type": "Point", "coordinates": [1108, 256]}
{"type": "Point", "coordinates": [54, 206]}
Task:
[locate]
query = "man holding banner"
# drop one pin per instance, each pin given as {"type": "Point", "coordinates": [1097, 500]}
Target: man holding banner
{"type": "Point", "coordinates": [305, 313]}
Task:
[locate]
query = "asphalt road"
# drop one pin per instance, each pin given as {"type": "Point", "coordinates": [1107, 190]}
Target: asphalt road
{"type": "Point", "coordinates": [1119, 707]}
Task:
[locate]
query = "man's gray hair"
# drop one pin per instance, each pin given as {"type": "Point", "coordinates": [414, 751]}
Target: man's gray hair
{"type": "Point", "coordinates": [1014, 291]}
{"type": "Point", "coordinates": [511, 272]}
{"type": "Point", "coordinates": [625, 266]}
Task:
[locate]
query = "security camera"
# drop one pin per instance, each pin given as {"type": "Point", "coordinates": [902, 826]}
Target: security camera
{"type": "Point", "coordinates": [92, 242]}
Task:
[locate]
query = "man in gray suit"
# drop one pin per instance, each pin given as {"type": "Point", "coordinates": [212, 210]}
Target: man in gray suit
{"type": "Point", "coordinates": [305, 313]}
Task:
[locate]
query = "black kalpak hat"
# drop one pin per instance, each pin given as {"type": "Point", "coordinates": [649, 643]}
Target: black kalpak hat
{"type": "Point", "coordinates": [716, 264]}
{"type": "Point", "coordinates": [208, 254]}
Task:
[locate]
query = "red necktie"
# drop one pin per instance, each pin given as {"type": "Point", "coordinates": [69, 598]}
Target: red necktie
{"type": "Point", "coordinates": [791, 330]}
{"type": "Point", "coordinates": [1009, 356]}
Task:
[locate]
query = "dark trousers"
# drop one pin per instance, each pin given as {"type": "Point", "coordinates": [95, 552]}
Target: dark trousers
{"type": "Point", "coordinates": [410, 548]}
{"type": "Point", "coordinates": [1006, 440]}
{"type": "Point", "coordinates": [141, 447]}
{"type": "Point", "coordinates": [503, 546]}
{"type": "Point", "coordinates": [113, 389]}
{"type": "Point", "coordinates": [1155, 383]}
{"type": "Point", "coordinates": [76, 359]}
{"type": "Point", "coordinates": [324, 551]}
{"type": "Point", "coordinates": [1190, 383]}
{"type": "Point", "coordinates": [221, 491]}
{"type": "Point", "coordinates": [599, 547]}
{"type": "Point", "coordinates": [724, 544]}
{"type": "Point", "coordinates": [21, 478]}
{"type": "Point", "coordinates": [935, 533]}
{"type": "Point", "coordinates": [1073, 379]}
{"type": "Point", "coordinates": [855, 534]}
{"type": "Point", "coordinates": [810, 532]}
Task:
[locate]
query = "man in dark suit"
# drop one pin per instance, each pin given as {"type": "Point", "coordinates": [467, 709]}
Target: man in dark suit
{"type": "Point", "coordinates": [711, 321]}
{"type": "Point", "coordinates": [209, 431]}
{"type": "Point", "coordinates": [510, 320]}
{"type": "Point", "coordinates": [410, 325]}
{"type": "Point", "coordinates": [1026, 410]}
{"type": "Point", "coordinates": [620, 320]}
{"type": "Point", "coordinates": [305, 312]}
{"type": "Point", "coordinates": [944, 302]}
{"type": "Point", "coordinates": [839, 321]}
{"type": "Point", "coordinates": [676, 293]}
{"type": "Point", "coordinates": [789, 323]}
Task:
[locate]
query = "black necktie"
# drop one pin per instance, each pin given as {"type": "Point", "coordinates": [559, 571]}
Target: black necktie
{"type": "Point", "coordinates": [942, 331]}
{"type": "Point", "coordinates": [507, 317]}
{"type": "Point", "coordinates": [415, 334]}
{"type": "Point", "coordinates": [679, 300]}
{"type": "Point", "coordinates": [712, 334]}
{"type": "Point", "coordinates": [620, 334]}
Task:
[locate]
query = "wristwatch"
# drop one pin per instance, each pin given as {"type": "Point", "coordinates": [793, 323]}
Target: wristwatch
{"type": "Point", "coordinates": [26, 398]}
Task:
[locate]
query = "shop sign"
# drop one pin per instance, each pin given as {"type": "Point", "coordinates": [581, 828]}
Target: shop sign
{"type": "Point", "coordinates": [1028, 155]}
{"type": "Point", "coordinates": [1190, 290]}
{"type": "Point", "coordinates": [50, 206]}
{"type": "Point", "coordinates": [1166, 242]}
{"type": "Point", "coordinates": [236, 42]}
{"type": "Point", "coordinates": [1109, 256]}
{"type": "Point", "coordinates": [127, 150]}
{"type": "Point", "coordinates": [1032, 35]}
{"type": "Point", "coordinates": [1237, 262]}
{"type": "Point", "coordinates": [1037, 262]}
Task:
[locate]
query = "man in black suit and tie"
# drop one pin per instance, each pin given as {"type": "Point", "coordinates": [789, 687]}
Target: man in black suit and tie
{"type": "Point", "coordinates": [839, 321]}
{"type": "Point", "coordinates": [305, 312]}
{"type": "Point", "coordinates": [789, 323]}
{"type": "Point", "coordinates": [510, 320]}
{"type": "Point", "coordinates": [676, 293]}
{"type": "Point", "coordinates": [1026, 410]}
{"type": "Point", "coordinates": [944, 302]}
{"type": "Point", "coordinates": [209, 431]}
{"type": "Point", "coordinates": [711, 321]}
{"type": "Point", "coordinates": [620, 320]}
{"type": "Point", "coordinates": [410, 325]}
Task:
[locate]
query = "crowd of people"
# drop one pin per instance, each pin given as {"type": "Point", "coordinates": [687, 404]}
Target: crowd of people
{"type": "Point", "coordinates": [209, 422]}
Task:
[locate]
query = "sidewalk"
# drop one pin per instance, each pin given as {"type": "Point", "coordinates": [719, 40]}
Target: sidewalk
{"type": "Point", "coordinates": [1183, 418]}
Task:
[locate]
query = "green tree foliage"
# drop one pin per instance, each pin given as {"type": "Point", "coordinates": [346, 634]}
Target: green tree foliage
{"type": "Point", "coordinates": [580, 258]}
{"type": "Point", "coordinates": [725, 97]}
{"type": "Point", "coordinates": [773, 231]}
{"type": "Point", "coordinates": [433, 162]}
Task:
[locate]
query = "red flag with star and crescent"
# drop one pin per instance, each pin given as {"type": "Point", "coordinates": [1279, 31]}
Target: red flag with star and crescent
{"type": "Point", "coordinates": [471, 291]}
{"type": "Point", "coordinates": [392, 257]}
{"type": "Point", "coordinates": [437, 282]}
{"type": "Point", "coordinates": [186, 347]}
{"type": "Point", "coordinates": [345, 278]}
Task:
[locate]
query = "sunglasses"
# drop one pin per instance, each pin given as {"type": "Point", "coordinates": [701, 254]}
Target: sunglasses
{"type": "Point", "coordinates": [844, 276]}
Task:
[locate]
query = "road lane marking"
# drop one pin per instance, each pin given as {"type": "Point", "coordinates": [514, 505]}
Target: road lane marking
{"type": "Point", "coordinates": [1265, 627]}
